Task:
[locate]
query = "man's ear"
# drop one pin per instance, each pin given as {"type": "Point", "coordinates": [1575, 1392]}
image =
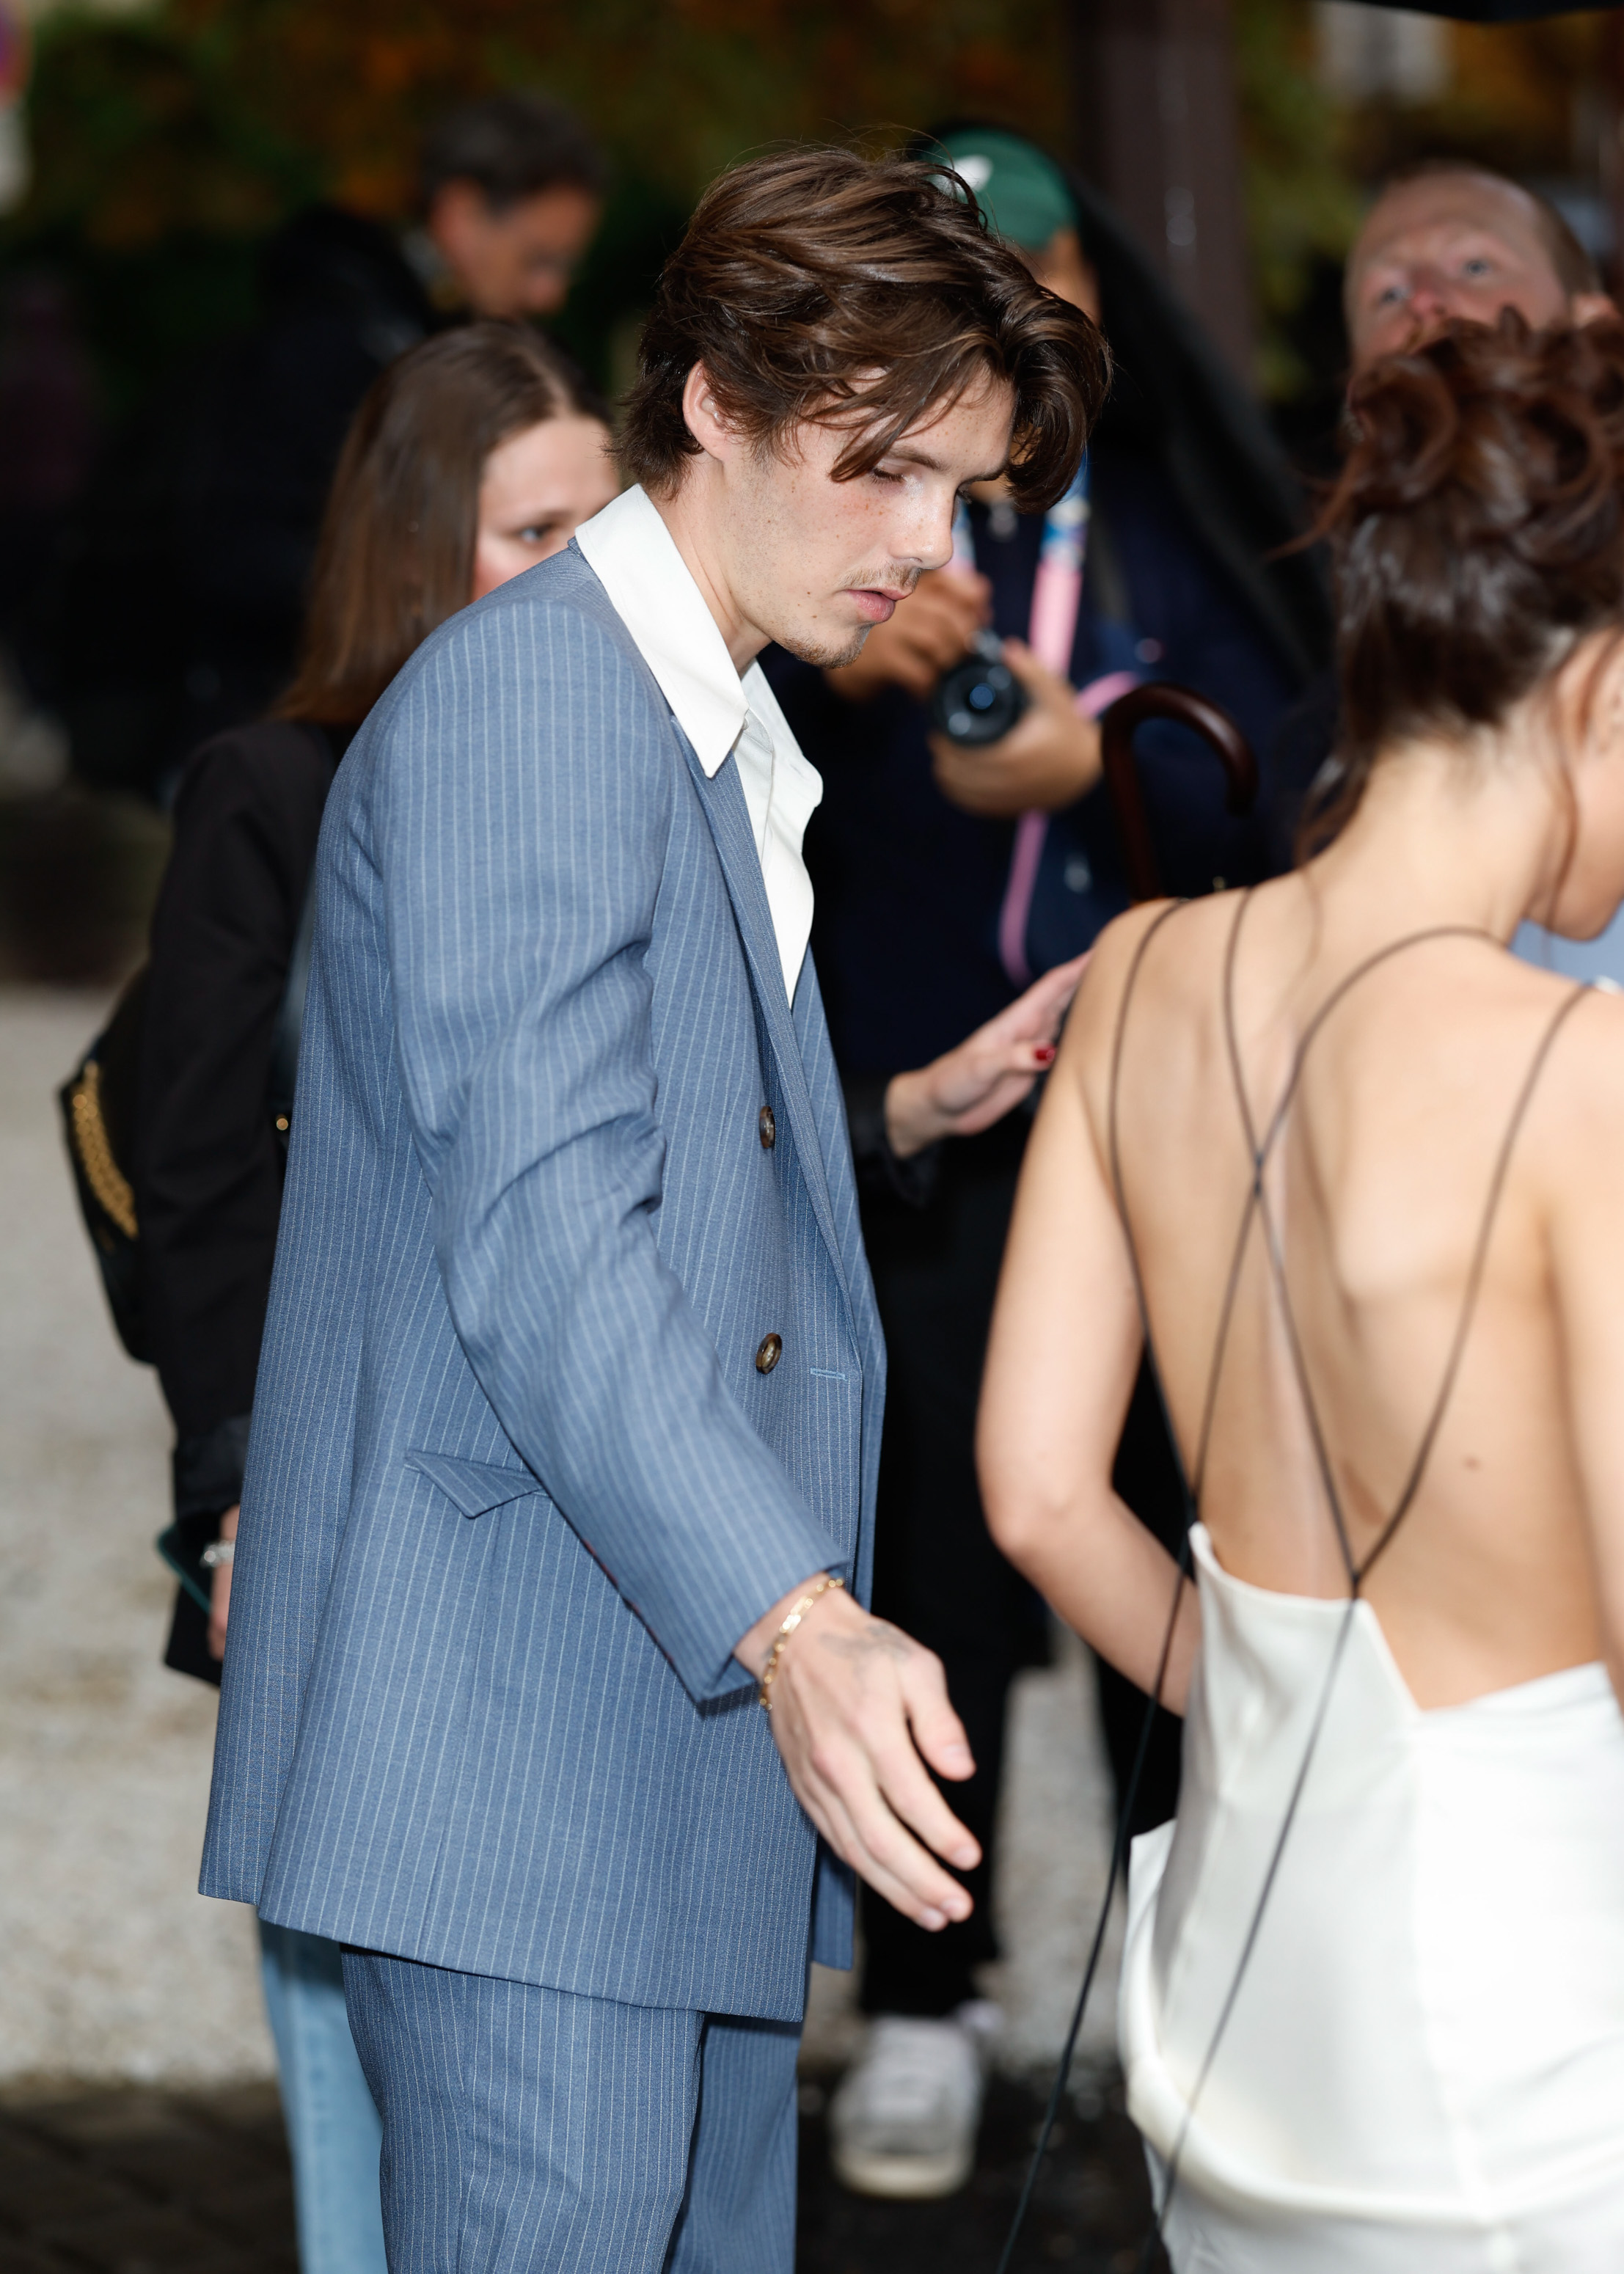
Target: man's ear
{"type": "Point", "coordinates": [704, 418]}
{"type": "Point", "coordinates": [456, 212]}
{"type": "Point", "coordinates": [1592, 308]}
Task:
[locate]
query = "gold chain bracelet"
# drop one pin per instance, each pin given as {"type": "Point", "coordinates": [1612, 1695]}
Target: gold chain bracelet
{"type": "Point", "coordinates": [764, 1693]}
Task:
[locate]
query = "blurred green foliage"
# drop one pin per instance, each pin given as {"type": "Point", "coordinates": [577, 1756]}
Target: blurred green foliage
{"type": "Point", "coordinates": [1303, 200]}
{"type": "Point", "coordinates": [169, 143]}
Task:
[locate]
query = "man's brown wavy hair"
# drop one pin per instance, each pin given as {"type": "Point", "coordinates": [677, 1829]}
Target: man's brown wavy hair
{"type": "Point", "coordinates": [824, 288]}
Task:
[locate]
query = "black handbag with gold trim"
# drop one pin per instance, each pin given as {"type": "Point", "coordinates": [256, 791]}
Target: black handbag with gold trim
{"type": "Point", "coordinates": [98, 1113]}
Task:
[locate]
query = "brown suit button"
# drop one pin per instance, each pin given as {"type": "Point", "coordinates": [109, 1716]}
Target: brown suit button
{"type": "Point", "coordinates": [767, 1128]}
{"type": "Point", "coordinates": [771, 1351]}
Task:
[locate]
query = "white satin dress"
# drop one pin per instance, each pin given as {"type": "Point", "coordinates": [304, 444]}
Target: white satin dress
{"type": "Point", "coordinates": [1422, 2072]}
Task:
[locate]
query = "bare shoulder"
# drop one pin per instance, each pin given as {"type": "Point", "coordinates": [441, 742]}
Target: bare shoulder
{"type": "Point", "coordinates": [1159, 951]}
{"type": "Point", "coordinates": [1582, 1080]}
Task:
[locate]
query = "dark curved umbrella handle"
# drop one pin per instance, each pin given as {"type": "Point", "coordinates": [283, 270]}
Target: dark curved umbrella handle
{"type": "Point", "coordinates": [1117, 727]}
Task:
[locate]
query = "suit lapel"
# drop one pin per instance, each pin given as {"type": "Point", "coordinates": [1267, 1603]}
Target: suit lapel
{"type": "Point", "coordinates": [729, 818]}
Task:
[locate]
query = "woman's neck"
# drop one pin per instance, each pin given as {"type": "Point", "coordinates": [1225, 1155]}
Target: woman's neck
{"type": "Point", "coordinates": [1446, 835]}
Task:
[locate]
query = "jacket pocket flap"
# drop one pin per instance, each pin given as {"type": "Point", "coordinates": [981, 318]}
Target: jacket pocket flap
{"type": "Point", "coordinates": [476, 1487]}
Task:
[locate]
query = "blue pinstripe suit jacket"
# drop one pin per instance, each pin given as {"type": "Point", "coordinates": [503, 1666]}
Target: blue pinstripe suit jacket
{"type": "Point", "coordinates": [515, 1486]}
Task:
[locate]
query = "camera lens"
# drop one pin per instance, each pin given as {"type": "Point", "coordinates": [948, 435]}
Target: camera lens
{"type": "Point", "coordinates": [980, 698]}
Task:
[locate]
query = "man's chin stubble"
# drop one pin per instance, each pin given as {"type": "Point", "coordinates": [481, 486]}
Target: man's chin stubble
{"type": "Point", "coordinates": [823, 654]}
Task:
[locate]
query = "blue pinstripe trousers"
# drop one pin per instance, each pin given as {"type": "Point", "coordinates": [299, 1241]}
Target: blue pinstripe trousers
{"type": "Point", "coordinates": [530, 2131]}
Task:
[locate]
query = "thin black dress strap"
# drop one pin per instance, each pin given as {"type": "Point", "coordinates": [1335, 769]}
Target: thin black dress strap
{"type": "Point", "coordinates": [1357, 1572]}
{"type": "Point", "coordinates": [1358, 1568]}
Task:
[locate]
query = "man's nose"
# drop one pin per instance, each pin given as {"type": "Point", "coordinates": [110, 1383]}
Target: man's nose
{"type": "Point", "coordinates": [930, 542]}
{"type": "Point", "coordinates": [1431, 301]}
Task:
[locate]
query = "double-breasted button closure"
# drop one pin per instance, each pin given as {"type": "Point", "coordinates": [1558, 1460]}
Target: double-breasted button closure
{"type": "Point", "coordinates": [771, 1351]}
{"type": "Point", "coordinates": [766, 1129]}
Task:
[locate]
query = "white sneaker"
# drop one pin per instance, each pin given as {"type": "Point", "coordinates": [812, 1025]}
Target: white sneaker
{"type": "Point", "coordinates": [903, 2123]}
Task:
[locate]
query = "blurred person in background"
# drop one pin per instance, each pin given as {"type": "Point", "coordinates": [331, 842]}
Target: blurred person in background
{"type": "Point", "coordinates": [511, 193]}
{"type": "Point", "coordinates": [178, 611]}
{"type": "Point", "coordinates": [1446, 240]}
{"type": "Point", "coordinates": [945, 876]}
{"type": "Point", "coordinates": [473, 457]}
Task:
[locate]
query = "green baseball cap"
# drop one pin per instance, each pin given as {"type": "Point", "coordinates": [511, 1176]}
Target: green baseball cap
{"type": "Point", "coordinates": [1022, 192]}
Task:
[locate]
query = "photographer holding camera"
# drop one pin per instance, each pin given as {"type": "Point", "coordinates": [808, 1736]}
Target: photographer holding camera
{"type": "Point", "coordinates": [965, 845]}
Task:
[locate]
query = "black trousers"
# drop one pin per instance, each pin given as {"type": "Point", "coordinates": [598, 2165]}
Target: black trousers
{"type": "Point", "coordinates": [938, 1573]}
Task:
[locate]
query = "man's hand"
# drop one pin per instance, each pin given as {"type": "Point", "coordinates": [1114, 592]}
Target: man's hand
{"type": "Point", "coordinates": [855, 1704]}
{"type": "Point", "coordinates": [926, 636]}
{"type": "Point", "coordinates": [968, 1089]}
{"type": "Point", "coordinates": [220, 1592]}
{"type": "Point", "coordinates": [1047, 760]}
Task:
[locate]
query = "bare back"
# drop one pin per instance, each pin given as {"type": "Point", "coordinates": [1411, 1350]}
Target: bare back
{"type": "Point", "coordinates": [1392, 1357]}
{"type": "Point", "coordinates": [1449, 1117]}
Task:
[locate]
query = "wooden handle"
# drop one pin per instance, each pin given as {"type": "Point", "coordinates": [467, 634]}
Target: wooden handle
{"type": "Point", "coordinates": [1117, 727]}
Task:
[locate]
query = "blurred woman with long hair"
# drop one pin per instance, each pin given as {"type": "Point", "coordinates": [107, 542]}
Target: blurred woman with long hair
{"type": "Point", "coordinates": [473, 457]}
{"type": "Point", "coordinates": [1352, 1171]}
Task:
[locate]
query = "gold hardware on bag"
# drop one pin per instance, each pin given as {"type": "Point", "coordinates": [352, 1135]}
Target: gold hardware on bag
{"type": "Point", "coordinates": [103, 1173]}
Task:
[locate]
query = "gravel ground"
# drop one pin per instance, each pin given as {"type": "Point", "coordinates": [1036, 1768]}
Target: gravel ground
{"type": "Point", "coordinates": [111, 1965]}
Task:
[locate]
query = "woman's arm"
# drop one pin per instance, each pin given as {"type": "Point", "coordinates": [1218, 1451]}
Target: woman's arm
{"type": "Point", "coordinates": [1064, 1351]}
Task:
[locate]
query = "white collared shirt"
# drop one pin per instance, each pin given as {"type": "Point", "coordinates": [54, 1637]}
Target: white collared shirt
{"type": "Point", "coordinates": [636, 559]}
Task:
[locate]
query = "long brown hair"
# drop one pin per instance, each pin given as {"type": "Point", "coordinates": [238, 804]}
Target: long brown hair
{"type": "Point", "coordinates": [395, 555]}
{"type": "Point", "coordinates": [823, 287]}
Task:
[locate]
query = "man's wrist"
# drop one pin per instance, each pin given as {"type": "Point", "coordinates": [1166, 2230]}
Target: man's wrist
{"type": "Point", "coordinates": [789, 1626]}
{"type": "Point", "coordinates": [754, 1648]}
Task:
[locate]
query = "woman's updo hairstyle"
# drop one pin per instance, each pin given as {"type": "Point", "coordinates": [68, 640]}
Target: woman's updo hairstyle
{"type": "Point", "coordinates": [1477, 531]}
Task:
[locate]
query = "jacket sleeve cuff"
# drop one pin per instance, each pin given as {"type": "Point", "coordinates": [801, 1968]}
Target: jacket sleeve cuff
{"type": "Point", "coordinates": [880, 1174]}
{"type": "Point", "coordinates": [208, 1469]}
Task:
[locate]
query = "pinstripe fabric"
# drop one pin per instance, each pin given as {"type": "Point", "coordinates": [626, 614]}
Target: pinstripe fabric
{"type": "Point", "coordinates": [527, 2129]}
{"type": "Point", "coordinates": [515, 1486]}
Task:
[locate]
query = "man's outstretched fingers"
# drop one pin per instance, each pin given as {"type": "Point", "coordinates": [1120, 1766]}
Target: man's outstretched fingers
{"type": "Point", "coordinates": [914, 1801]}
{"type": "Point", "coordinates": [937, 1730]}
{"type": "Point", "coordinates": [878, 1847]}
{"type": "Point", "coordinates": [840, 1779]}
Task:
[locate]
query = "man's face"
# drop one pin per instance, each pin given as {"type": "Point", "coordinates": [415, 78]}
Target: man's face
{"type": "Point", "coordinates": [816, 563]}
{"type": "Point", "coordinates": [516, 260]}
{"type": "Point", "coordinates": [1451, 245]}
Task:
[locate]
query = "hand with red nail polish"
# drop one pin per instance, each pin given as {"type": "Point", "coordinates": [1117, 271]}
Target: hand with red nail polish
{"type": "Point", "coordinates": [969, 1089]}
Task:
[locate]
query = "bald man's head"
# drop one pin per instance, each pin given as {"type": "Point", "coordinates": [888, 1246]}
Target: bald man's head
{"type": "Point", "coordinates": [1445, 241]}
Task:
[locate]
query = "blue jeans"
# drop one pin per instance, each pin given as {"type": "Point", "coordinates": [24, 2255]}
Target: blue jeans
{"type": "Point", "coordinates": [333, 2130]}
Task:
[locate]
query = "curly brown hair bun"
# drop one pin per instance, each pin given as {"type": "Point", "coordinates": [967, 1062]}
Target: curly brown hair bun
{"type": "Point", "coordinates": [1477, 530]}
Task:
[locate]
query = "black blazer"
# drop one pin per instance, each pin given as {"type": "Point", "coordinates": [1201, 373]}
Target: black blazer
{"type": "Point", "coordinates": [208, 1165]}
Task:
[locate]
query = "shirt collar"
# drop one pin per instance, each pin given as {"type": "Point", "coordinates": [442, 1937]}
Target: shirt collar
{"type": "Point", "coordinates": [636, 559]}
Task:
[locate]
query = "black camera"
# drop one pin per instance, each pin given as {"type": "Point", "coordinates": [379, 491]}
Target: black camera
{"type": "Point", "coordinates": [980, 699]}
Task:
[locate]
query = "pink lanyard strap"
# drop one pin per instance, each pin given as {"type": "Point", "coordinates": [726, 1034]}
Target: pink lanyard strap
{"type": "Point", "coordinates": [1056, 600]}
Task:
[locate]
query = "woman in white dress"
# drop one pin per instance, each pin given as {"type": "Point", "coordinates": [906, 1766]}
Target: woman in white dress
{"type": "Point", "coordinates": [1361, 1175]}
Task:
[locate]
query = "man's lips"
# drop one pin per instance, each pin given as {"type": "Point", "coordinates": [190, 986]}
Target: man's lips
{"type": "Point", "coordinates": [877, 603]}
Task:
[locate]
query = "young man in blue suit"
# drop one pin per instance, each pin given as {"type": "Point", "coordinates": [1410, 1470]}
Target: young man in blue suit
{"type": "Point", "coordinates": [567, 1419]}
